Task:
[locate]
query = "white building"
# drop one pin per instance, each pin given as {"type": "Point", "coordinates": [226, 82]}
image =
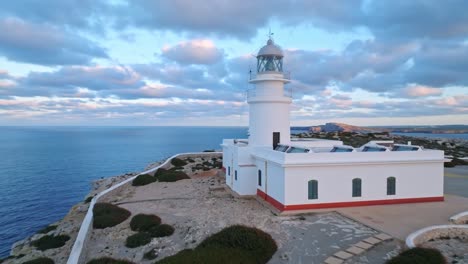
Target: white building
{"type": "Point", "coordinates": [311, 174]}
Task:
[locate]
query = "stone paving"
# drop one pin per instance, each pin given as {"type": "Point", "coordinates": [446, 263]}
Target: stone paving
{"type": "Point", "coordinates": [357, 249]}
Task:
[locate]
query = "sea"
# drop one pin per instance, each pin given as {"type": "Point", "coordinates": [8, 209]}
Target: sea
{"type": "Point", "coordinates": [44, 171]}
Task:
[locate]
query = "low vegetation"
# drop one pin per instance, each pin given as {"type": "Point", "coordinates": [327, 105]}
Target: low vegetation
{"type": "Point", "coordinates": [108, 215]}
{"type": "Point", "coordinates": [138, 239]}
{"type": "Point", "coordinates": [235, 244]}
{"type": "Point", "coordinates": [148, 226]}
{"type": "Point", "coordinates": [162, 230]}
{"type": "Point", "coordinates": [143, 179]}
{"type": "Point", "coordinates": [107, 260]}
{"type": "Point", "coordinates": [144, 222]}
{"type": "Point", "coordinates": [163, 175]}
{"type": "Point", "coordinates": [150, 255]}
{"type": "Point", "coordinates": [88, 199]}
{"type": "Point", "coordinates": [48, 242]}
{"type": "Point", "coordinates": [418, 256]}
{"type": "Point", "coordinates": [178, 162]}
{"type": "Point", "coordinates": [455, 162]}
{"type": "Point", "coordinates": [47, 229]}
{"type": "Point", "coordinates": [42, 260]}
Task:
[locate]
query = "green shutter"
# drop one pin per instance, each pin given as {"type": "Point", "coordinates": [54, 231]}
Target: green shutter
{"type": "Point", "coordinates": [357, 187]}
{"type": "Point", "coordinates": [313, 189]}
{"type": "Point", "coordinates": [391, 186]}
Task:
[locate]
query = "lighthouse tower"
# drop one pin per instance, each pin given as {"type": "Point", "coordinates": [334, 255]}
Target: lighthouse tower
{"type": "Point", "coordinates": [268, 101]}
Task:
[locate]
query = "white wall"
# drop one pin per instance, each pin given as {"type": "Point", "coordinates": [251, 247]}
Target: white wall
{"type": "Point", "coordinates": [416, 180]}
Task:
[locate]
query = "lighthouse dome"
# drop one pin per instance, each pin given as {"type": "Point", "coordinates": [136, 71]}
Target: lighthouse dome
{"type": "Point", "coordinates": [270, 49]}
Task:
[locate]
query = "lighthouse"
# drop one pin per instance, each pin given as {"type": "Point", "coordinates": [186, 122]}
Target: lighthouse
{"type": "Point", "coordinates": [268, 101]}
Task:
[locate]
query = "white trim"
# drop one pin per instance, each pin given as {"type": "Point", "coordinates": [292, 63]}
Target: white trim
{"type": "Point", "coordinates": [455, 218]}
{"type": "Point", "coordinates": [86, 224]}
{"type": "Point", "coordinates": [412, 237]}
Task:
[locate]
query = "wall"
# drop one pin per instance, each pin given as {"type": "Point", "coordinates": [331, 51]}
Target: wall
{"type": "Point", "coordinates": [272, 180]}
{"type": "Point", "coordinates": [413, 180]}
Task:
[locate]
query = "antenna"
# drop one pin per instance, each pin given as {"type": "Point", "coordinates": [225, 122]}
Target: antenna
{"type": "Point", "coordinates": [270, 34]}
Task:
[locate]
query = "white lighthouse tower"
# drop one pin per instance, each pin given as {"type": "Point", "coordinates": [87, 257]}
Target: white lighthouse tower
{"type": "Point", "coordinates": [268, 101]}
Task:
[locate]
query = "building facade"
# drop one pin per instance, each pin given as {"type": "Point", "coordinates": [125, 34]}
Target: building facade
{"type": "Point", "coordinates": [313, 174]}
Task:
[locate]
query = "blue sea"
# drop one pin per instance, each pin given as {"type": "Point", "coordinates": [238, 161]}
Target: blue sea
{"type": "Point", "coordinates": [46, 170]}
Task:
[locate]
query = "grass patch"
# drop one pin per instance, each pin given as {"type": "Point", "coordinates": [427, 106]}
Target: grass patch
{"type": "Point", "coordinates": [143, 179]}
{"type": "Point", "coordinates": [42, 260]}
{"type": "Point", "coordinates": [47, 229]}
{"type": "Point", "coordinates": [144, 222]}
{"type": "Point", "coordinates": [178, 162]}
{"type": "Point", "coordinates": [48, 242]}
{"type": "Point", "coordinates": [235, 244]}
{"type": "Point", "coordinates": [108, 215]}
{"type": "Point", "coordinates": [162, 230]}
{"type": "Point", "coordinates": [107, 260]}
{"type": "Point", "coordinates": [418, 256]}
{"type": "Point", "coordinates": [138, 239]}
{"type": "Point", "coordinates": [170, 176]}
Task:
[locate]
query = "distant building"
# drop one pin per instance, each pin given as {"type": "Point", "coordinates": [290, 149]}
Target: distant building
{"type": "Point", "coordinates": [315, 173]}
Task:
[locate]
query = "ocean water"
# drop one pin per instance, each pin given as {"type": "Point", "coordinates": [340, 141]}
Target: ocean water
{"type": "Point", "coordinates": [428, 135]}
{"type": "Point", "coordinates": [46, 170]}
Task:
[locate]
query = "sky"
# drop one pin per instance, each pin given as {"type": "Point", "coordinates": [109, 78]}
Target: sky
{"type": "Point", "coordinates": [186, 62]}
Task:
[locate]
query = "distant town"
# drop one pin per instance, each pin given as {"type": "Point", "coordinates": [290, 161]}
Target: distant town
{"type": "Point", "coordinates": [340, 127]}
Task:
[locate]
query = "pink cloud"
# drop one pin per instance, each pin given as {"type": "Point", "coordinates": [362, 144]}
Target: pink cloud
{"type": "Point", "coordinates": [421, 91]}
{"type": "Point", "coordinates": [197, 51]}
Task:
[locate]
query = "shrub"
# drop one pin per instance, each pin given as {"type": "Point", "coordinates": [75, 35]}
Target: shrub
{"type": "Point", "coordinates": [47, 229]}
{"type": "Point", "coordinates": [161, 230]}
{"type": "Point", "coordinates": [144, 222]}
{"type": "Point", "coordinates": [143, 179]}
{"type": "Point", "coordinates": [150, 254]}
{"type": "Point", "coordinates": [178, 162]}
{"type": "Point", "coordinates": [190, 160]}
{"type": "Point", "coordinates": [88, 199]}
{"type": "Point", "coordinates": [171, 176]}
{"type": "Point", "coordinates": [42, 260]}
{"type": "Point", "coordinates": [106, 260]}
{"type": "Point", "coordinates": [108, 215]}
{"type": "Point", "coordinates": [48, 242]}
{"type": "Point", "coordinates": [209, 150]}
{"type": "Point", "coordinates": [418, 256]}
{"type": "Point", "coordinates": [138, 239]}
{"type": "Point", "coordinates": [235, 244]}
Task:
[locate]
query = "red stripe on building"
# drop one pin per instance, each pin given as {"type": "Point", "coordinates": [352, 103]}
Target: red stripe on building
{"type": "Point", "coordinates": [283, 207]}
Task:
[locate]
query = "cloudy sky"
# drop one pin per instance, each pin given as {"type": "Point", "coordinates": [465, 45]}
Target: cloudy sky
{"type": "Point", "coordinates": [185, 62]}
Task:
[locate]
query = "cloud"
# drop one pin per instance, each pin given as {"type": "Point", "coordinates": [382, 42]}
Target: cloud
{"type": "Point", "coordinates": [420, 91]}
{"type": "Point", "coordinates": [197, 51]}
{"type": "Point", "coordinates": [44, 44]}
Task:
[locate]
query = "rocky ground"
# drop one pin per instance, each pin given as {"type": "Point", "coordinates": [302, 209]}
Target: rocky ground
{"type": "Point", "coordinates": [455, 250]}
{"type": "Point", "coordinates": [23, 250]}
{"type": "Point", "coordinates": [200, 206]}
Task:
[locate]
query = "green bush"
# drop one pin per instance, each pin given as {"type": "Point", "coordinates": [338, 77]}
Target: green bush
{"type": "Point", "coordinates": [138, 239]}
{"type": "Point", "coordinates": [235, 244]}
{"type": "Point", "coordinates": [171, 176]}
{"type": "Point", "coordinates": [48, 242]}
{"type": "Point", "coordinates": [144, 222]}
{"type": "Point", "coordinates": [150, 254]}
{"type": "Point", "coordinates": [178, 162]}
{"type": "Point", "coordinates": [108, 215]}
{"type": "Point", "coordinates": [42, 260]}
{"type": "Point", "coordinates": [88, 199]}
{"type": "Point", "coordinates": [455, 162]}
{"type": "Point", "coordinates": [209, 150]}
{"type": "Point", "coordinates": [162, 230]}
{"type": "Point", "coordinates": [107, 260]}
{"type": "Point", "coordinates": [47, 229]}
{"type": "Point", "coordinates": [143, 179]}
{"type": "Point", "coordinates": [418, 256]}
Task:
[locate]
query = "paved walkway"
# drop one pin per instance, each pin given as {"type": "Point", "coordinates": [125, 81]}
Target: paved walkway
{"type": "Point", "coordinates": [402, 219]}
{"type": "Point", "coordinates": [456, 181]}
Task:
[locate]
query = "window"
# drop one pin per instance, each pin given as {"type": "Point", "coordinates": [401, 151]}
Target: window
{"type": "Point", "coordinates": [373, 149]}
{"type": "Point", "coordinates": [259, 178]}
{"type": "Point", "coordinates": [357, 187]}
{"type": "Point", "coordinates": [229, 170]}
{"type": "Point", "coordinates": [235, 175]}
{"type": "Point", "coordinates": [313, 189]}
{"type": "Point", "coordinates": [281, 148]}
{"type": "Point", "coordinates": [337, 149]}
{"type": "Point", "coordinates": [391, 186]}
{"type": "Point", "coordinates": [297, 150]}
{"type": "Point", "coordinates": [405, 148]}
